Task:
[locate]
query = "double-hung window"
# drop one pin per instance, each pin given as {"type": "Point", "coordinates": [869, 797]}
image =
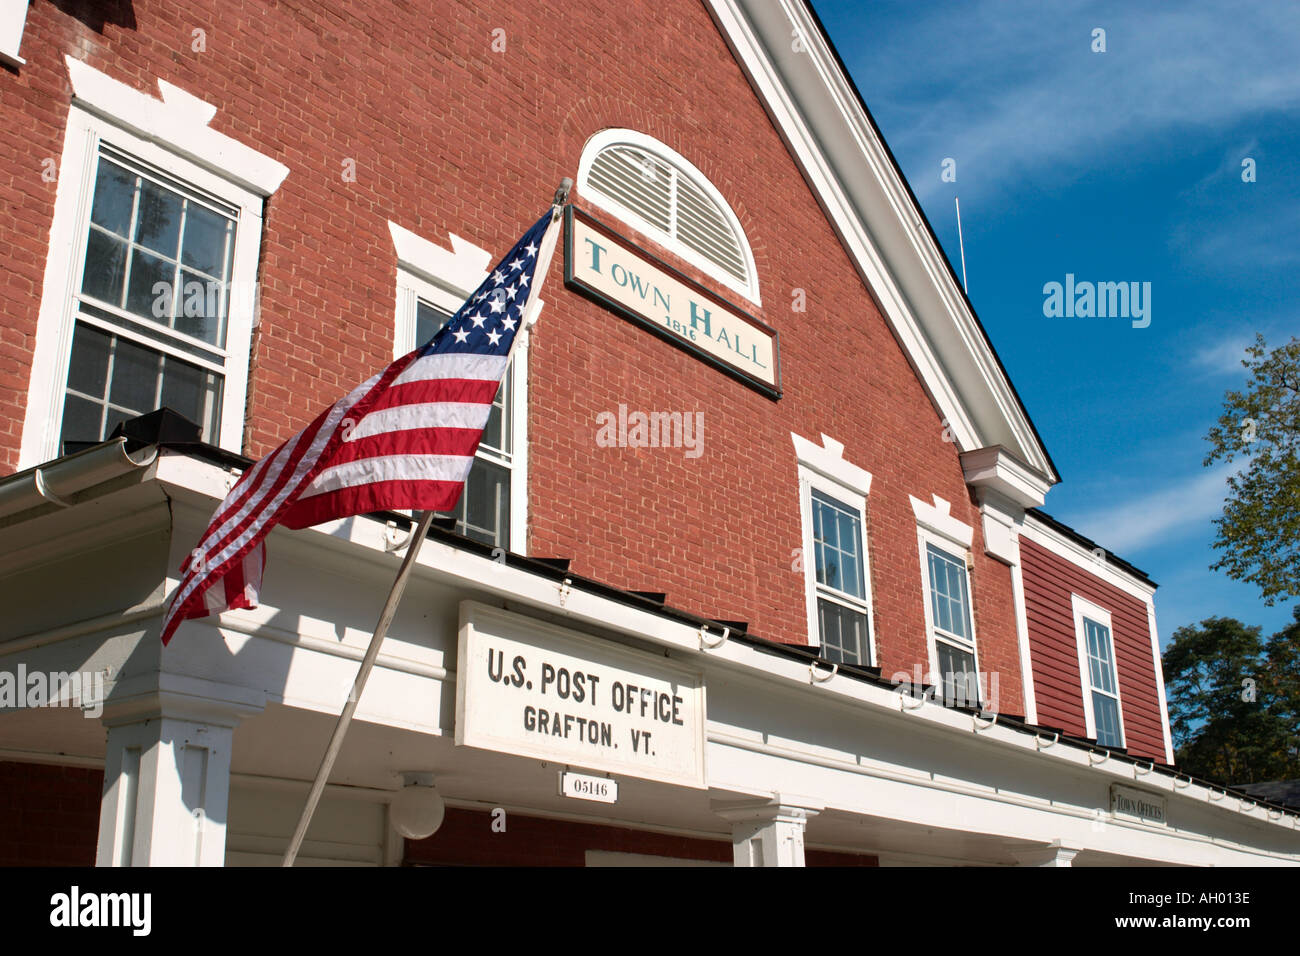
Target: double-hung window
{"type": "Point", "coordinates": [150, 282]}
{"type": "Point", "coordinates": [842, 610]}
{"type": "Point", "coordinates": [1098, 677]}
{"type": "Point", "coordinates": [953, 631]}
{"type": "Point", "coordinates": [432, 283]}
{"type": "Point", "coordinates": [150, 326]}
{"type": "Point", "coordinates": [834, 556]}
{"type": "Point", "coordinates": [949, 613]}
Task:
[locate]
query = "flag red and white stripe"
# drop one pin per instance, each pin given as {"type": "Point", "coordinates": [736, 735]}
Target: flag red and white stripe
{"type": "Point", "coordinates": [405, 438]}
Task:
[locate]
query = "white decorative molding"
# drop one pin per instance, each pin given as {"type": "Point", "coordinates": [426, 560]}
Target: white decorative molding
{"type": "Point", "coordinates": [827, 459]}
{"type": "Point", "coordinates": [936, 518]}
{"type": "Point", "coordinates": [13, 18]}
{"type": "Point", "coordinates": [1001, 523]}
{"type": "Point", "coordinates": [995, 469]}
{"type": "Point", "coordinates": [177, 122]}
{"type": "Point", "coordinates": [459, 270]}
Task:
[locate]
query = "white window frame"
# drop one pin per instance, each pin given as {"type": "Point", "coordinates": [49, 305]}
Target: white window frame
{"type": "Point", "coordinates": [1083, 608]}
{"type": "Point", "coordinates": [822, 467]}
{"type": "Point", "coordinates": [936, 526]}
{"type": "Point", "coordinates": [171, 135]}
{"type": "Point", "coordinates": [613, 137]}
{"type": "Point", "coordinates": [445, 279]}
{"type": "Point", "coordinates": [13, 19]}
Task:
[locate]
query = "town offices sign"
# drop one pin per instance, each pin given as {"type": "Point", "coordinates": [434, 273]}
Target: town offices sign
{"type": "Point", "coordinates": [536, 690]}
{"type": "Point", "coordinates": [605, 267]}
{"type": "Point", "coordinates": [1138, 804]}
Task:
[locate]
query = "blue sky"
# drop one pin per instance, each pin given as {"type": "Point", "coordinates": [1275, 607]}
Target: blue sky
{"type": "Point", "coordinates": [1122, 166]}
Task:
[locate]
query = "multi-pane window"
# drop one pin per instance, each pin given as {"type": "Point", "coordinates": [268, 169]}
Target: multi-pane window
{"type": "Point", "coordinates": [950, 618]}
{"type": "Point", "coordinates": [151, 309]}
{"type": "Point", "coordinates": [484, 509]}
{"type": "Point", "coordinates": [842, 609]}
{"type": "Point", "coordinates": [1104, 688]}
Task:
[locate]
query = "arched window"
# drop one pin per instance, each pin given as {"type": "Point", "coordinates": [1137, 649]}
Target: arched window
{"type": "Point", "coordinates": [661, 194]}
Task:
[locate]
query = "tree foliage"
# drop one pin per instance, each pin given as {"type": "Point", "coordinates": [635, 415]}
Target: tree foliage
{"type": "Point", "coordinates": [1259, 530]}
{"type": "Point", "coordinates": [1234, 701]}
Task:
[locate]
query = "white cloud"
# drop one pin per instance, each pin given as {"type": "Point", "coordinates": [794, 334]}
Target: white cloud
{"type": "Point", "coordinates": [1018, 90]}
{"type": "Point", "coordinates": [1224, 357]}
{"type": "Point", "coordinates": [1156, 517]}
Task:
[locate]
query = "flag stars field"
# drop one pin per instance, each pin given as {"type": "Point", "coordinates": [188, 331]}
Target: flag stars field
{"type": "Point", "coordinates": [406, 438]}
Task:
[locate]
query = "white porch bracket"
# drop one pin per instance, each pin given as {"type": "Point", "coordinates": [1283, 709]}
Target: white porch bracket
{"type": "Point", "coordinates": [767, 832]}
{"type": "Point", "coordinates": [1055, 853]}
{"type": "Point", "coordinates": [167, 770]}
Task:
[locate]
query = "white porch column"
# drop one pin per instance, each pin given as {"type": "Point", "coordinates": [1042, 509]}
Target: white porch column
{"type": "Point", "coordinates": [167, 772]}
{"type": "Point", "coordinates": [1054, 854]}
{"type": "Point", "coordinates": [766, 832]}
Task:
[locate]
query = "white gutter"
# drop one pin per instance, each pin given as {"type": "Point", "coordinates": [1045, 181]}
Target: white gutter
{"type": "Point", "coordinates": [55, 482]}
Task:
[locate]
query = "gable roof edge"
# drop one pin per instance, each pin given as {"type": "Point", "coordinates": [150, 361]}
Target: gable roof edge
{"type": "Point", "coordinates": [828, 130]}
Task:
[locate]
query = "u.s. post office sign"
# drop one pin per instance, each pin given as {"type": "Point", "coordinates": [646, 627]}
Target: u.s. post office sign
{"type": "Point", "coordinates": [532, 689]}
{"type": "Point", "coordinates": [606, 268]}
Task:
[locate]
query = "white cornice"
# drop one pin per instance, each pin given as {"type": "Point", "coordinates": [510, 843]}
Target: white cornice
{"type": "Point", "coordinates": [816, 111]}
{"type": "Point", "coordinates": [996, 469]}
{"type": "Point", "coordinates": [177, 122]}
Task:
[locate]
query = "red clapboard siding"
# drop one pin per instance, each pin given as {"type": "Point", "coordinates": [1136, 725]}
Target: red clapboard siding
{"type": "Point", "coordinates": [1050, 580]}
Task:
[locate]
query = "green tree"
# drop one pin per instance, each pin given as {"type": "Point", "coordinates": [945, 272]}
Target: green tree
{"type": "Point", "coordinates": [1259, 530]}
{"type": "Point", "coordinates": [1234, 701]}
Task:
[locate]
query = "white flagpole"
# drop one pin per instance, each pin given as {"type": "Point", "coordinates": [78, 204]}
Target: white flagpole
{"type": "Point", "coordinates": [408, 562]}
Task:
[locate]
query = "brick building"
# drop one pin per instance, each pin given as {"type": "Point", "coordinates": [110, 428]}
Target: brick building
{"type": "Point", "coordinates": [757, 459]}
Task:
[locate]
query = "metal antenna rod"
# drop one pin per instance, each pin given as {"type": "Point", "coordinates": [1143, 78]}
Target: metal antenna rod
{"type": "Point", "coordinates": [962, 245]}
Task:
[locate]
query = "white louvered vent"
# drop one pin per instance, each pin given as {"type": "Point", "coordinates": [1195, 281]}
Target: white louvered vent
{"type": "Point", "coordinates": [665, 197]}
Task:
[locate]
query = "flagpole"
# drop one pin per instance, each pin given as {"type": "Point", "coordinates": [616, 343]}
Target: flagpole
{"type": "Point", "coordinates": [404, 572]}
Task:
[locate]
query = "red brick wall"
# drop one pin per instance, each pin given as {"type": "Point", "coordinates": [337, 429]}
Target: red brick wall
{"type": "Point", "coordinates": [448, 136]}
{"type": "Point", "coordinates": [466, 839]}
{"type": "Point", "coordinates": [49, 815]}
{"type": "Point", "coordinates": [1050, 580]}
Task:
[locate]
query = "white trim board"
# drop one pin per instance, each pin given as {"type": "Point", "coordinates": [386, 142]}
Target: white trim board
{"type": "Point", "coordinates": [1073, 552]}
{"type": "Point", "coordinates": [13, 20]}
{"type": "Point", "coordinates": [814, 108]}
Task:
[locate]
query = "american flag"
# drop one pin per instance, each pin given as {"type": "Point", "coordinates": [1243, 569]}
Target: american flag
{"type": "Point", "coordinates": [405, 438]}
